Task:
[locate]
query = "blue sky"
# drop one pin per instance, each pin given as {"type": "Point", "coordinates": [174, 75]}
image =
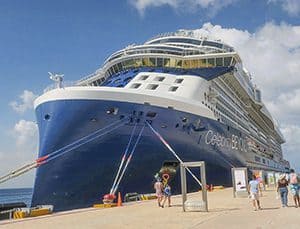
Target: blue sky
{"type": "Point", "coordinates": [75, 37]}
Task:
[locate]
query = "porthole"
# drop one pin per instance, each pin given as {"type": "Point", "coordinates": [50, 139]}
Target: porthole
{"type": "Point", "coordinates": [47, 117]}
{"type": "Point", "coordinates": [184, 119]}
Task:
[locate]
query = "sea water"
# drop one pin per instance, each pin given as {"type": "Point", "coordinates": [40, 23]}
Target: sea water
{"type": "Point", "coordinates": [16, 195]}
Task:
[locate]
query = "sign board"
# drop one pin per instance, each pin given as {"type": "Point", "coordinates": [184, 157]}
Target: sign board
{"type": "Point", "coordinates": [239, 182]}
{"type": "Point", "coordinates": [271, 179]}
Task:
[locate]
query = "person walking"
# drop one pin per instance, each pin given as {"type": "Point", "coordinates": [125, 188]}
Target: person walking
{"type": "Point", "coordinates": [282, 189]}
{"type": "Point", "coordinates": [167, 195]}
{"type": "Point", "coordinates": [158, 186]}
{"type": "Point", "coordinates": [253, 191]}
{"type": "Point", "coordinates": [294, 186]}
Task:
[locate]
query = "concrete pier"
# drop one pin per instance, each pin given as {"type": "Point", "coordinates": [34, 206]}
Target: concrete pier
{"type": "Point", "coordinates": [224, 212]}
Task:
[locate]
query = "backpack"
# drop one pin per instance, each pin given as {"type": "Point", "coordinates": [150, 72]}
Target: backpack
{"type": "Point", "coordinates": [293, 178]}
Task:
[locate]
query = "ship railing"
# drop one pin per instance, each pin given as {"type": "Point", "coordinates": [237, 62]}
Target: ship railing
{"type": "Point", "coordinates": [65, 84]}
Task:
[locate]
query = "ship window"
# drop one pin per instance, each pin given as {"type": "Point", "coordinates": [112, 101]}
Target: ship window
{"type": "Point", "coordinates": [211, 62]}
{"type": "Point", "coordinates": [151, 114]}
{"type": "Point", "coordinates": [202, 63]}
{"type": "Point", "coordinates": [112, 110]}
{"type": "Point", "coordinates": [219, 61]}
{"type": "Point", "coordinates": [173, 88]}
{"type": "Point", "coordinates": [166, 62]}
{"type": "Point", "coordinates": [47, 117]}
{"type": "Point", "coordinates": [184, 119]}
{"type": "Point", "coordinates": [159, 62]}
{"type": "Point", "coordinates": [186, 64]}
{"type": "Point", "coordinates": [135, 85]}
{"type": "Point", "coordinates": [264, 161]}
{"type": "Point", "coordinates": [159, 78]}
{"type": "Point", "coordinates": [257, 159]}
{"type": "Point", "coordinates": [152, 62]}
{"type": "Point", "coordinates": [178, 81]}
{"type": "Point", "coordinates": [227, 61]}
{"type": "Point", "coordinates": [178, 64]}
{"type": "Point", "coordinates": [144, 77]}
{"type": "Point", "coordinates": [152, 86]}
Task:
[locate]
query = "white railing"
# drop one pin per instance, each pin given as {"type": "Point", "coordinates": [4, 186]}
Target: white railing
{"type": "Point", "coordinates": [64, 85]}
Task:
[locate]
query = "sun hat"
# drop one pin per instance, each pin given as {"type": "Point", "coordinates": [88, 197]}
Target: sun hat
{"type": "Point", "coordinates": [282, 176]}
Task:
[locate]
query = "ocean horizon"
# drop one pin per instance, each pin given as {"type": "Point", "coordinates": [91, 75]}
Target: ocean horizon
{"type": "Point", "coordinates": [12, 195]}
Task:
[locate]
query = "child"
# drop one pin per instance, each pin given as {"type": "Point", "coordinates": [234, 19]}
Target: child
{"type": "Point", "coordinates": [158, 186]}
{"type": "Point", "coordinates": [167, 195]}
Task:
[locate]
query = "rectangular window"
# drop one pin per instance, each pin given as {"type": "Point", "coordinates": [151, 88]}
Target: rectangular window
{"type": "Point", "coordinates": [194, 64]}
{"type": "Point", "coordinates": [211, 62]}
{"type": "Point", "coordinates": [178, 64]}
{"type": "Point", "coordinates": [227, 61]}
{"type": "Point", "coordinates": [173, 88]}
{"type": "Point", "coordinates": [219, 62]}
{"type": "Point", "coordinates": [137, 62]}
{"type": "Point", "coordinates": [159, 62]}
{"type": "Point", "coordinates": [159, 78]}
{"type": "Point", "coordinates": [143, 77]}
{"type": "Point", "coordinates": [135, 85]}
{"type": "Point", "coordinates": [202, 63]}
{"type": "Point", "coordinates": [178, 81]}
{"type": "Point", "coordinates": [257, 159]}
{"type": "Point", "coordinates": [166, 62]}
{"type": "Point", "coordinates": [145, 62]}
{"type": "Point", "coordinates": [173, 63]}
{"type": "Point", "coordinates": [152, 86]}
{"type": "Point", "coordinates": [186, 64]}
{"type": "Point", "coordinates": [152, 62]}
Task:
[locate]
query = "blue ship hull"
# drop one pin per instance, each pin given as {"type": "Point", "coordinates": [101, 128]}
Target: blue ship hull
{"type": "Point", "coordinates": [81, 177]}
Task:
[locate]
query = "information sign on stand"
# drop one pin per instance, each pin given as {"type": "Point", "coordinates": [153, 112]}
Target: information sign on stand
{"type": "Point", "coordinates": [239, 182]}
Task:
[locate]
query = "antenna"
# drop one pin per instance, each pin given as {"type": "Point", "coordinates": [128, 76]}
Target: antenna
{"type": "Point", "coordinates": [58, 78]}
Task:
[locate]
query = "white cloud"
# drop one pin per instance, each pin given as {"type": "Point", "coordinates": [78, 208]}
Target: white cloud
{"type": "Point", "coordinates": [26, 133]}
{"type": "Point", "coordinates": [292, 135]}
{"type": "Point", "coordinates": [272, 56]}
{"type": "Point", "coordinates": [292, 7]}
{"type": "Point", "coordinates": [213, 6]}
{"type": "Point", "coordinates": [27, 99]}
{"type": "Point", "coordinates": [23, 152]}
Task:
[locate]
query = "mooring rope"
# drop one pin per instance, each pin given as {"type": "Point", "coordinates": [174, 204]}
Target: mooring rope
{"type": "Point", "coordinates": [87, 141]}
{"type": "Point", "coordinates": [172, 151]}
{"type": "Point", "coordinates": [123, 159]}
{"type": "Point", "coordinates": [80, 140]}
{"type": "Point", "coordinates": [128, 160]}
{"type": "Point", "coordinates": [51, 156]}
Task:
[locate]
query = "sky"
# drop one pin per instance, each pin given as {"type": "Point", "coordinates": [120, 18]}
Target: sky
{"type": "Point", "coordinates": [75, 37]}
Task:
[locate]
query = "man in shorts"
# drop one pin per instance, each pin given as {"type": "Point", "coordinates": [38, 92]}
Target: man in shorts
{"type": "Point", "coordinates": [253, 188]}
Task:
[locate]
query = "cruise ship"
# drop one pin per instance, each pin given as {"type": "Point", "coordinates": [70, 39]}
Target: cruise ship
{"type": "Point", "coordinates": [193, 91]}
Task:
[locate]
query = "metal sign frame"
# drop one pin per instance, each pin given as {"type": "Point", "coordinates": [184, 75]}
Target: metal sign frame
{"type": "Point", "coordinates": [183, 168]}
{"type": "Point", "coordinates": [244, 193]}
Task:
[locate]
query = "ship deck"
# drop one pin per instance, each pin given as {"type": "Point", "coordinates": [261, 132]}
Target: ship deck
{"type": "Point", "coordinates": [224, 212]}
